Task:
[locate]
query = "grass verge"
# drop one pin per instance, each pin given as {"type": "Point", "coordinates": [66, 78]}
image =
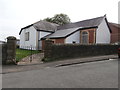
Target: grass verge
{"type": "Point", "coordinates": [21, 53]}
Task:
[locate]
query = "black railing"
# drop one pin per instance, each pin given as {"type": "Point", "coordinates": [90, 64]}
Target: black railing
{"type": "Point", "coordinates": [26, 52]}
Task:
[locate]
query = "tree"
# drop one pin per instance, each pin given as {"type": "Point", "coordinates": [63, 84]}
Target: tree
{"type": "Point", "coordinates": [48, 19]}
{"type": "Point", "coordinates": [60, 19]}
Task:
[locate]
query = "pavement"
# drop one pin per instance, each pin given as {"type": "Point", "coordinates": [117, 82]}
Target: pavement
{"type": "Point", "coordinates": [36, 66]}
{"type": "Point", "coordinates": [101, 74]}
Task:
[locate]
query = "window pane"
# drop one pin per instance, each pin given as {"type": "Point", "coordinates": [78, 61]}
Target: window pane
{"type": "Point", "coordinates": [84, 37]}
{"type": "Point", "coordinates": [27, 36]}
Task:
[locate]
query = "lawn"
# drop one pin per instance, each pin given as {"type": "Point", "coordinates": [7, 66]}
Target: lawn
{"type": "Point", "coordinates": [21, 53]}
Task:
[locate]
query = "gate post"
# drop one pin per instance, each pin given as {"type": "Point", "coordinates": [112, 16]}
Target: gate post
{"type": "Point", "coordinates": [11, 50]}
{"type": "Point", "coordinates": [3, 53]}
{"type": "Point", "coordinates": [47, 49]}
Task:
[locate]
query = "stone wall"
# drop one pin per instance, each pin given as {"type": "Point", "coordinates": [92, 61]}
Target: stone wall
{"type": "Point", "coordinates": [48, 48]}
{"type": "Point", "coordinates": [9, 51]}
{"type": "Point", "coordinates": [4, 52]}
{"type": "Point", "coordinates": [63, 51]}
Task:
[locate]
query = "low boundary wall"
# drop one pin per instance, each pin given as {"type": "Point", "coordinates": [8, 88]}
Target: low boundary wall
{"type": "Point", "coordinates": [64, 51]}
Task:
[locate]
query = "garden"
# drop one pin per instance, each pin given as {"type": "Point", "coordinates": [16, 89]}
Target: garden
{"type": "Point", "coordinates": [22, 53]}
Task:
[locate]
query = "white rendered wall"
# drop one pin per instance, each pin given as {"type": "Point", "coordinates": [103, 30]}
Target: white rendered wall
{"type": "Point", "coordinates": [42, 34]}
{"type": "Point", "coordinates": [32, 38]}
{"type": "Point", "coordinates": [22, 39]}
{"type": "Point", "coordinates": [74, 37]}
{"type": "Point", "coordinates": [103, 33]}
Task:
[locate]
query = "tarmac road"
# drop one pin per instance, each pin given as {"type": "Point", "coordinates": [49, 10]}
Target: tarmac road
{"type": "Point", "coordinates": [102, 74]}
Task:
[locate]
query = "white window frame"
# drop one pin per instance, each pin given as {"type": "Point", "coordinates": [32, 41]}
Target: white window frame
{"type": "Point", "coordinates": [27, 35]}
{"type": "Point", "coordinates": [85, 35]}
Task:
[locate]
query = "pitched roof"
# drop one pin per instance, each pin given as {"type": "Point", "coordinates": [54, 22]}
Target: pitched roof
{"type": "Point", "coordinates": [42, 25]}
{"type": "Point", "coordinates": [85, 23]}
{"type": "Point", "coordinates": [68, 29]}
{"type": "Point", "coordinates": [62, 33]}
{"type": "Point", "coordinates": [114, 24]}
{"type": "Point", "coordinates": [115, 28]}
{"type": "Point", "coordinates": [65, 32]}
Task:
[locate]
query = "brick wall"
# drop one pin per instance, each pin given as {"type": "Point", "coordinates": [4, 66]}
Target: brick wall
{"type": "Point", "coordinates": [91, 35]}
{"type": "Point", "coordinates": [115, 35]}
{"type": "Point", "coordinates": [61, 40]}
{"type": "Point", "coordinates": [57, 41]}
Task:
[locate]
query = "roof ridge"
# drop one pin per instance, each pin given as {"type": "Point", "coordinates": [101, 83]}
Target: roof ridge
{"type": "Point", "coordinates": [114, 24]}
{"type": "Point", "coordinates": [45, 22]}
{"type": "Point", "coordinates": [89, 19]}
{"type": "Point", "coordinates": [84, 23]}
{"type": "Point", "coordinates": [72, 28]}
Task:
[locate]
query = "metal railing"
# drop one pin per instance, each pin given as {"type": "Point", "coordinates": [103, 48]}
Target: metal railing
{"type": "Point", "coordinates": [26, 52]}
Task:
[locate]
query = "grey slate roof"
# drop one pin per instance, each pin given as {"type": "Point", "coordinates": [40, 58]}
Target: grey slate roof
{"type": "Point", "coordinates": [85, 23]}
{"type": "Point", "coordinates": [42, 25]}
{"type": "Point", "coordinates": [62, 33]}
{"type": "Point", "coordinates": [68, 29]}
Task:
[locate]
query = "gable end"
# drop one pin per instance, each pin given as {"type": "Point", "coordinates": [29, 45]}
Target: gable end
{"type": "Point", "coordinates": [108, 25]}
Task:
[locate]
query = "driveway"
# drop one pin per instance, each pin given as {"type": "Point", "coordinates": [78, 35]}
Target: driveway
{"type": "Point", "coordinates": [102, 74]}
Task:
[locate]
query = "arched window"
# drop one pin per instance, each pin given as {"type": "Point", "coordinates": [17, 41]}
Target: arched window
{"type": "Point", "coordinates": [84, 37]}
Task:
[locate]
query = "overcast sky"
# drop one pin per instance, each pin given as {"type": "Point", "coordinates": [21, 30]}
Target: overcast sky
{"type": "Point", "coordinates": [16, 14]}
